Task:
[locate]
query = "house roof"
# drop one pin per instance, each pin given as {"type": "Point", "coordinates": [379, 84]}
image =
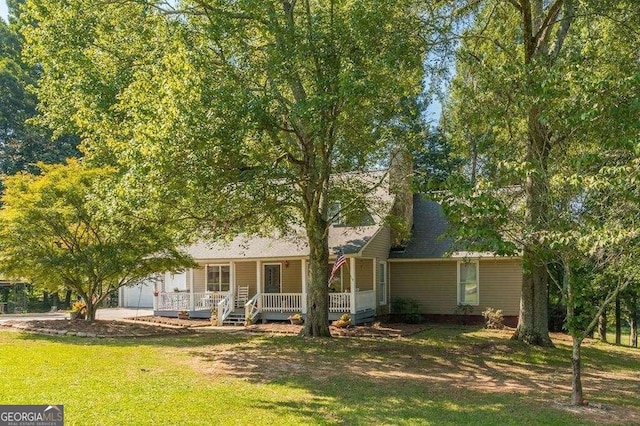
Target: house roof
{"type": "Point", "coordinates": [349, 239]}
{"type": "Point", "coordinates": [429, 224]}
{"type": "Point", "coordinates": [428, 240]}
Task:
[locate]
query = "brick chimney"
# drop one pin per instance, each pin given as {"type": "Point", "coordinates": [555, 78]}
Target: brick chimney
{"type": "Point", "coordinates": [400, 180]}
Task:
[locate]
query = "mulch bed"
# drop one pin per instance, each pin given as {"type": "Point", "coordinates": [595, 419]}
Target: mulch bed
{"type": "Point", "coordinates": [175, 322]}
{"type": "Point", "coordinates": [83, 328]}
{"type": "Point", "coordinates": [161, 326]}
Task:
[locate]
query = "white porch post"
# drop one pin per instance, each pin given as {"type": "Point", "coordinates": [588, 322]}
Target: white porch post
{"type": "Point", "coordinates": [304, 285]}
{"type": "Point", "coordinates": [352, 280]}
{"type": "Point", "coordinates": [259, 283]}
{"type": "Point", "coordinates": [192, 300]}
{"type": "Point", "coordinates": [232, 282]}
{"type": "Point", "coordinates": [375, 283]}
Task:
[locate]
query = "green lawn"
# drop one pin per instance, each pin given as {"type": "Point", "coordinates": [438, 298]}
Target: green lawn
{"type": "Point", "coordinates": [441, 376]}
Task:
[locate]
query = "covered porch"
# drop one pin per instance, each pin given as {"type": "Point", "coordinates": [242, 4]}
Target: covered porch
{"type": "Point", "coordinates": [267, 290]}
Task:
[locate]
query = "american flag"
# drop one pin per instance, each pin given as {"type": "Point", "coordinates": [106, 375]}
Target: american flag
{"type": "Point", "coordinates": [341, 260]}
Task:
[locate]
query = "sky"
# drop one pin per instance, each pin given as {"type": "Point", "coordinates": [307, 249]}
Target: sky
{"type": "Point", "coordinates": [3, 9]}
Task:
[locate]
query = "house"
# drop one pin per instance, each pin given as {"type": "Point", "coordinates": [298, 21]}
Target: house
{"type": "Point", "coordinates": [265, 277]}
{"type": "Point", "coordinates": [443, 281]}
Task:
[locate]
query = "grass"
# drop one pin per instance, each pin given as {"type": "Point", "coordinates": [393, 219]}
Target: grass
{"type": "Point", "coordinates": [441, 376]}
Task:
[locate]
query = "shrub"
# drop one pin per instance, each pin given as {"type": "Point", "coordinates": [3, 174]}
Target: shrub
{"type": "Point", "coordinates": [344, 321]}
{"type": "Point", "coordinates": [494, 318]}
{"type": "Point", "coordinates": [463, 310]}
{"type": "Point", "coordinates": [406, 309]}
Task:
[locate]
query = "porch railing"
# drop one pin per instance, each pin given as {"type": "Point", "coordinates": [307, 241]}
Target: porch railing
{"type": "Point", "coordinates": [340, 302]}
{"type": "Point", "coordinates": [182, 301]}
{"type": "Point", "coordinates": [281, 302]}
{"type": "Point", "coordinates": [251, 309]}
{"type": "Point", "coordinates": [225, 306]}
{"type": "Point", "coordinates": [365, 300]}
{"type": "Point", "coordinates": [208, 301]}
{"type": "Point", "coordinates": [174, 301]}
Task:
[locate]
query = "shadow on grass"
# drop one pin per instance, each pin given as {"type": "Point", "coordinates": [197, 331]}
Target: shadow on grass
{"type": "Point", "coordinates": [446, 375]}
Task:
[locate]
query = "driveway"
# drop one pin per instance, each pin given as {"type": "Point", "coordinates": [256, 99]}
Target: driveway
{"type": "Point", "coordinates": [102, 314]}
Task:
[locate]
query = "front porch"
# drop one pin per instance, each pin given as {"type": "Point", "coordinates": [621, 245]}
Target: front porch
{"type": "Point", "coordinates": [267, 295]}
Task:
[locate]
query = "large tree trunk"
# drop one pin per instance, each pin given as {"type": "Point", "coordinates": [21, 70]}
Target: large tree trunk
{"type": "Point", "coordinates": [602, 326]}
{"type": "Point", "coordinates": [533, 326]}
{"type": "Point", "coordinates": [317, 321]}
{"type": "Point", "coordinates": [533, 322]}
{"type": "Point", "coordinates": [618, 321]}
{"type": "Point", "coordinates": [576, 382]}
{"type": "Point", "coordinates": [91, 311]}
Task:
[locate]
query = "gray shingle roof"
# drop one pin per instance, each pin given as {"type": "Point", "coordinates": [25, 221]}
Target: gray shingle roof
{"type": "Point", "coordinates": [429, 223]}
{"type": "Point", "coordinates": [428, 240]}
{"type": "Point", "coordinates": [350, 239]}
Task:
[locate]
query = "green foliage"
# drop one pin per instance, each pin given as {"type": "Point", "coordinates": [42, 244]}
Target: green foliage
{"type": "Point", "coordinates": [542, 113]}
{"type": "Point", "coordinates": [406, 309]}
{"type": "Point", "coordinates": [23, 144]}
{"type": "Point", "coordinates": [59, 230]}
{"type": "Point", "coordinates": [233, 114]}
{"type": "Point", "coordinates": [435, 161]}
{"type": "Point", "coordinates": [493, 318]}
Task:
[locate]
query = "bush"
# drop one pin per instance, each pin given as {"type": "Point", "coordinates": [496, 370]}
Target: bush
{"type": "Point", "coordinates": [494, 318]}
{"type": "Point", "coordinates": [406, 309]}
{"type": "Point", "coordinates": [344, 321]}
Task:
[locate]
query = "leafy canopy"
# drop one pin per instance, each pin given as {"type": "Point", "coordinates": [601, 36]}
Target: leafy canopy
{"type": "Point", "coordinates": [57, 230]}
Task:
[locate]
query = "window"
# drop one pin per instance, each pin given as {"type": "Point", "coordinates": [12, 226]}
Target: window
{"type": "Point", "coordinates": [334, 214]}
{"type": "Point", "coordinates": [218, 277]}
{"type": "Point", "coordinates": [468, 283]}
{"type": "Point", "coordinates": [382, 283]}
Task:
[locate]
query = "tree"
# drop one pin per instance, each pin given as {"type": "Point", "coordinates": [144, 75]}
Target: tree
{"type": "Point", "coordinates": [435, 161]}
{"type": "Point", "coordinates": [60, 230]}
{"type": "Point", "coordinates": [537, 97]}
{"type": "Point", "coordinates": [22, 144]}
{"type": "Point", "coordinates": [238, 113]}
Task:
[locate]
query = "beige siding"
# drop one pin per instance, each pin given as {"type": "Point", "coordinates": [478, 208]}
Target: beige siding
{"type": "Point", "coordinates": [199, 285]}
{"type": "Point", "coordinates": [501, 285]}
{"type": "Point", "coordinates": [434, 285]}
{"type": "Point", "coordinates": [246, 276]}
{"type": "Point", "coordinates": [364, 274]}
{"type": "Point", "coordinates": [292, 277]}
{"type": "Point", "coordinates": [379, 246]}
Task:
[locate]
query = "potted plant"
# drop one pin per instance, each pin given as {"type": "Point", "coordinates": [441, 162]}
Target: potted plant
{"type": "Point", "coordinates": [296, 319]}
{"type": "Point", "coordinates": [214, 317]}
{"type": "Point", "coordinates": [343, 322]}
{"type": "Point", "coordinates": [156, 292]}
{"type": "Point", "coordinates": [78, 310]}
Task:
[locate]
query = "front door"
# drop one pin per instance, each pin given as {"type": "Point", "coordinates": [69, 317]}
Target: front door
{"type": "Point", "coordinates": [272, 278]}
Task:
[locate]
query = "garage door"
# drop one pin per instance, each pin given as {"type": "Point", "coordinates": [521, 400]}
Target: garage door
{"type": "Point", "coordinates": [140, 295]}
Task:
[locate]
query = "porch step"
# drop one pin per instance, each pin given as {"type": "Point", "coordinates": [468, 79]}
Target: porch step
{"type": "Point", "coordinates": [234, 318]}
